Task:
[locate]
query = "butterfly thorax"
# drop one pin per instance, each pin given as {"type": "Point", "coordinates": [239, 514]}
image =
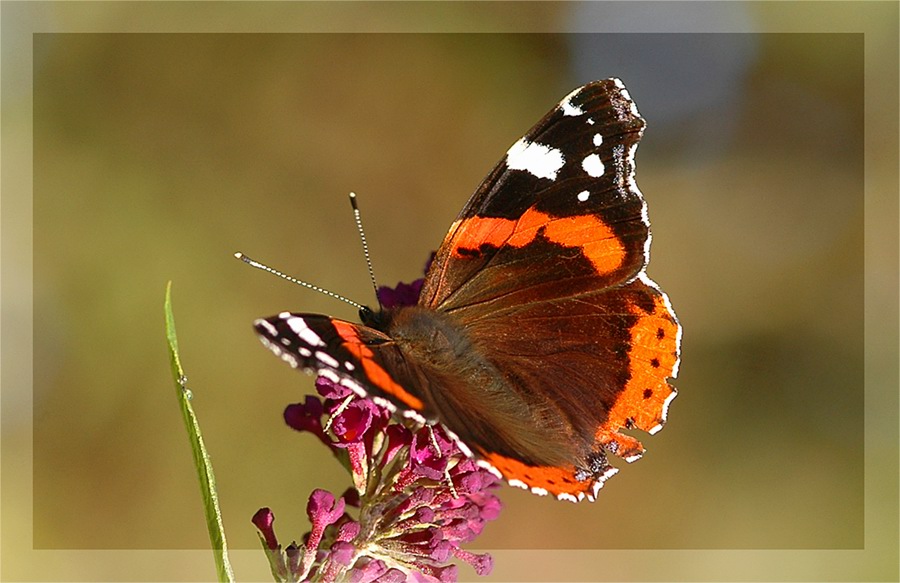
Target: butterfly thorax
{"type": "Point", "coordinates": [430, 334]}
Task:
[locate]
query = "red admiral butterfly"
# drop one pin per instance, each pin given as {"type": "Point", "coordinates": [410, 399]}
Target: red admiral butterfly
{"type": "Point", "coordinates": [537, 336]}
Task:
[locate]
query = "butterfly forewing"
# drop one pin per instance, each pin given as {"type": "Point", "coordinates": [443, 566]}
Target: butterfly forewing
{"type": "Point", "coordinates": [561, 205]}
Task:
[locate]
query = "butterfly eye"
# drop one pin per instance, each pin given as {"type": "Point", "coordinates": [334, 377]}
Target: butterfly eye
{"type": "Point", "coordinates": [367, 316]}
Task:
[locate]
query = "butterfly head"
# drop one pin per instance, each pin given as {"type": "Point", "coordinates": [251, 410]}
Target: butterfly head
{"type": "Point", "coordinates": [372, 318]}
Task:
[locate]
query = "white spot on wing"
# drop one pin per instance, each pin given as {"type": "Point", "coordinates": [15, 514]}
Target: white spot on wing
{"type": "Point", "coordinates": [290, 359]}
{"type": "Point", "coordinates": [631, 185]}
{"type": "Point", "coordinates": [414, 415]}
{"type": "Point", "coordinates": [567, 107]}
{"type": "Point", "coordinates": [598, 139]}
{"type": "Point", "coordinates": [584, 195]}
{"type": "Point", "coordinates": [593, 165]}
{"type": "Point", "coordinates": [298, 325]}
{"type": "Point", "coordinates": [666, 403]}
{"type": "Point", "coordinates": [489, 467]}
{"type": "Point", "coordinates": [518, 484]}
{"type": "Point", "coordinates": [677, 348]}
{"type": "Point", "coordinates": [384, 403]}
{"type": "Point", "coordinates": [537, 159]}
{"type": "Point", "coordinates": [269, 327]}
{"type": "Point", "coordinates": [629, 160]}
{"type": "Point", "coordinates": [326, 358]}
{"type": "Point", "coordinates": [463, 447]}
{"type": "Point", "coordinates": [595, 490]}
{"type": "Point", "coordinates": [624, 93]}
{"type": "Point", "coordinates": [330, 375]}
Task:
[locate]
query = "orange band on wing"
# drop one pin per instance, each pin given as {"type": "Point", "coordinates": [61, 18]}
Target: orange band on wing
{"type": "Point", "coordinates": [646, 396]}
{"type": "Point", "coordinates": [586, 232]}
{"type": "Point", "coordinates": [376, 375]}
{"type": "Point", "coordinates": [556, 481]}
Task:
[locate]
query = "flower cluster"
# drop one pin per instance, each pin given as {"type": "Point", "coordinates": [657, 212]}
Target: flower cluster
{"type": "Point", "coordinates": [417, 497]}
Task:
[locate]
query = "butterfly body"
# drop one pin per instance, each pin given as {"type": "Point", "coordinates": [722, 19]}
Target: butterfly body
{"type": "Point", "coordinates": [537, 336]}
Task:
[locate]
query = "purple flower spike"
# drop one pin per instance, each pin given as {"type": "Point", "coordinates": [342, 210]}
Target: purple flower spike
{"type": "Point", "coordinates": [405, 294]}
{"type": "Point", "coordinates": [306, 416]}
{"type": "Point", "coordinates": [323, 510]}
{"type": "Point", "coordinates": [279, 561]}
{"type": "Point", "coordinates": [264, 520]}
{"type": "Point", "coordinates": [343, 553]}
{"type": "Point", "coordinates": [430, 461]}
{"type": "Point", "coordinates": [359, 467]}
{"type": "Point", "coordinates": [368, 570]}
{"type": "Point", "coordinates": [328, 389]}
{"type": "Point", "coordinates": [351, 424]}
{"type": "Point", "coordinates": [483, 564]}
{"type": "Point", "coordinates": [294, 555]}
{"type": "Point", "coordinates": [392, 576]}
{"type": "Point", "coordinates": [442, 574]}
{"type": "Point", "coordinates": [398, 437]}
{"type": "Point", "coordinates": [415, 497]}
{"type": "Point", "coordinates": [347, 531]}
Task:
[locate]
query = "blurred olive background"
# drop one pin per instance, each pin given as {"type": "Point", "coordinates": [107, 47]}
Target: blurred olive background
{"type": "Point", "coordinates": [156, 157]}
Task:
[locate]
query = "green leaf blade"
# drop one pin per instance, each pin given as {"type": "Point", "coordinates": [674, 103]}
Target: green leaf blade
{"type": "Point", "coordinates": [202, 461]}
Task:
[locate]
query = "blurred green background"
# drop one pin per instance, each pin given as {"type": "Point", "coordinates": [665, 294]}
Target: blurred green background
{"type": "Point", "coordinates": [156, 156]}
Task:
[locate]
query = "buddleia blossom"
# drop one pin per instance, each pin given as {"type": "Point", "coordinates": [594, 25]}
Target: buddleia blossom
{"type": "Point", "coordinates": [415, 497]}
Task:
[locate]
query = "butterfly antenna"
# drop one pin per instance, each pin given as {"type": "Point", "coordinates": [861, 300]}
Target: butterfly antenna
{"type": "Point", "coordinates": [362, 237]}
{"type": "Point", "coordinates": [258, 265]}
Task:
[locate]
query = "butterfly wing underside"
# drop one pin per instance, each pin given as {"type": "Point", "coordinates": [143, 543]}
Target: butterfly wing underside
{"type": "Point", "coordinates": [351, 355]}
{"type": "Point", "coordinates": [544, 269]}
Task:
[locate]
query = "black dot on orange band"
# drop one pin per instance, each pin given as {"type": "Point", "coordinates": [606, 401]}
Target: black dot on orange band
{"type": "Point", "coordinates": [648, 393]}
{"type": "Point", "coordinates": [654, 362]}
{"type": "Point", "coordinates": [464, 252]}
{"type": "Point", "coordinates": [660, 333]}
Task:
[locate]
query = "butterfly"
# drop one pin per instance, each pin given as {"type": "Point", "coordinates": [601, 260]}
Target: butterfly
{"type": "Point", "coordinates": [538, 336]}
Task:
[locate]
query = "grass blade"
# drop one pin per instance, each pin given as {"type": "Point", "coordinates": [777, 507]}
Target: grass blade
{"type": "Point", "coordinates": [201, 457]}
